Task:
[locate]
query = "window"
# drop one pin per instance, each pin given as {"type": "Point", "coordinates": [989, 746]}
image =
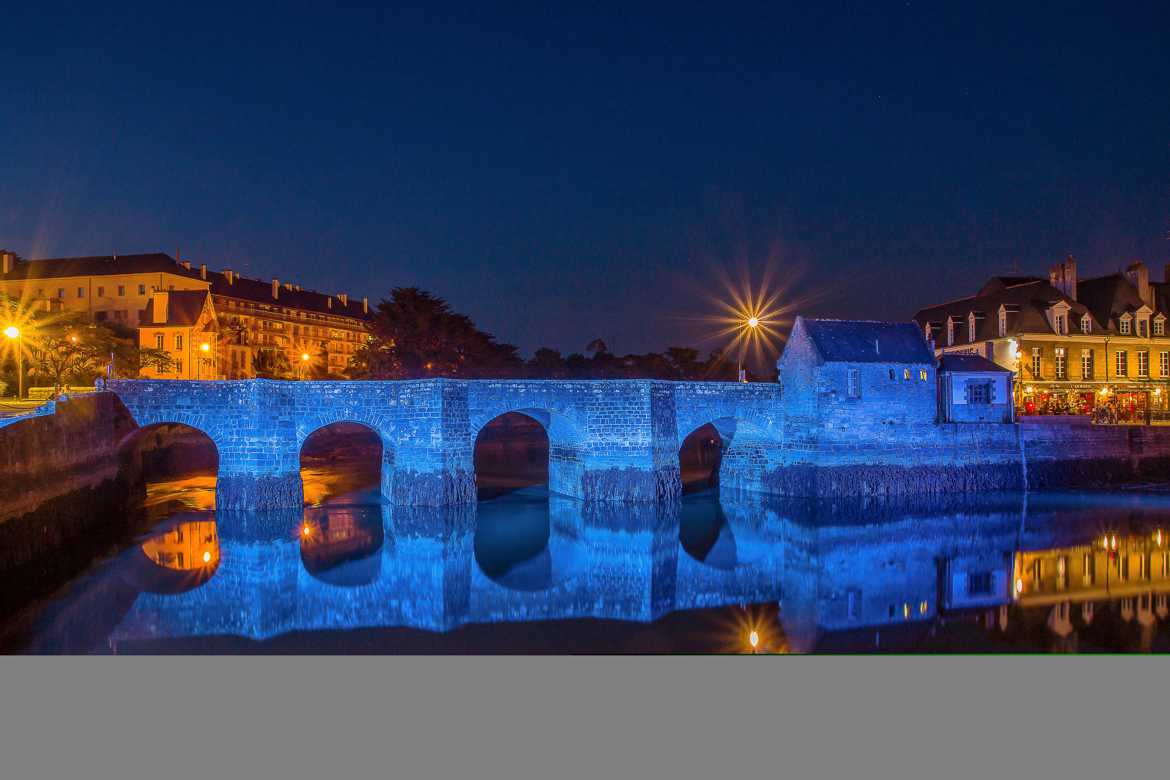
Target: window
{"type": "Point", "coordinates": [80, 292]}
{"type": "Point", "coordinates": [892, 374]}
{"type": "Point", "coordinates": [1035, 362]}
{"type": "Point", "coordinates": [178, 366]}
{"type": "Point", "coordinates": [1159, 327]}
{"type": "Point", "coordinates": [142, 289]}
{"type": "Point", "coordinates": [1062, 324]}
{"type": "Point", "coordinates": [1122, 364]}
{"type": "Point", "coordinates": [1164, 364]}
{"type": "Point", "coordinates": [178, 341]}
{"type": "Point", "coordinates": [923, 374]}
{"type": "Point", "coordinates": [158, 341]}
{"type": "Point", "coordinates": [906, 374]}
{"type": "Point", "coordinates": [854, 383]}
{"type": "Point", "coordinates": [101, 291]}
{"type": "Point", "coordinates": [979, 392]}
{"type": "Point", "coordinates": [971, 326]}
{"type": "Point", "coordinates": [60, 292]}
{"type": "Point", "coordinates": [950, 331]}
{"type": "Point", "coordinates": [1086, 364]}
{"type": "Point", "coordinates": [121, 291]}
{"type": "Point", "coordinates": [1144, 566]}
{"type": "Point", "coordinates": [1123, 326]}
{"type": "Point", "coordinates": [1061, 364]}
{"type": "Point", "coordinates": [1143, 363]}
{"type": "Point", "coordinates": [979, 583]}
{"type": "Point", "coordinates": [1086, 324]}
{"type": "Point", "coordinates": [1088, 563]}
{"type": "Point", "coordinates": [1143, 328]}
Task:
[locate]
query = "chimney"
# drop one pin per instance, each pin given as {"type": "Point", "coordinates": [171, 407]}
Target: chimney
{"type": "Point", "coordinates": [186, 265]}
{"type": "Point", "coordinates": [9, 261]}
{"type": "Point", "coordinates": [161, 300]}
{"type": "Point", "coordinates": [288, 286]}
{"type": "Point", "coordinates": [230, 275]}
{"type": "Point", "coordinates": [275, 289]}
{"type": "Point", "coordinates": [344, 298]}
{"type": "Point", "coordinates": [1063, 276]}
{"type": "Point", "coordinates": [203, 271]}
{"type": "Point", "coordinates": [329, 303]}
{"type": "Point", "coordinates": [365, 305]}
{"type": "Point", "coordinates": [1139, 277]}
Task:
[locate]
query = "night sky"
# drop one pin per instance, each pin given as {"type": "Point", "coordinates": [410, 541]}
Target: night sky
{"type": "Point", "coordinates": [561, 175]}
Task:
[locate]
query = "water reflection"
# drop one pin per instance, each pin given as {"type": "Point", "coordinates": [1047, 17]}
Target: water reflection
{"type": "Point", "coordinates": [995, 572]}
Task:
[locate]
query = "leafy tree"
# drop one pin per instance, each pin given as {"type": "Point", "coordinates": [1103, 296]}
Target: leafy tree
{"type": "Point", "coordinates": [547, 363]}
{"type": "Point", "coordinates": [157, 359]}
{"type": "Point", "coordinates": [66, 348]}
{"type": "Point", "coordinates": [272, 363]}
{"type": "Point", "coordinates": [684, 362]}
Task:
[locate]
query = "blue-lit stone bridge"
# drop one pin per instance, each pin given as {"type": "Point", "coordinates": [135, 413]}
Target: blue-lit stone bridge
{"type": "Point", "coordinates": [609, 440]}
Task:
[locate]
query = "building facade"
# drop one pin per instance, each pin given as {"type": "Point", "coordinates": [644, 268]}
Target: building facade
{"type": "Point", "coordinates": [183, 326]}
{"type": "Point", "coordinates": [264, 327]}
{"type": "Point", "coordinates": [1095, 346]}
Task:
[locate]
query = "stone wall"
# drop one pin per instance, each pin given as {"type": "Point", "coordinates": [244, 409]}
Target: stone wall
{"type": "Point", "coordinates": [60, 489]}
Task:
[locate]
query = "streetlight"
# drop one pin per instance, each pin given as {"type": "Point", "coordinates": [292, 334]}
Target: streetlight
{"type": "Point", "coordinates": [304, 363]}
{"type": "Point", "coordinates": [752, 322]}
{"type": "Point", "coordinates": [13, 333]}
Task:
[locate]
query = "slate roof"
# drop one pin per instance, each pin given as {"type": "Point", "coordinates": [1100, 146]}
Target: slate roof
{"type": "Point", "coordinates": [867, 341]}
{"type": "Point", "coordinates": [259, 291]}
{"type": "Point", "coordinates": [1027, 302]}
{"type": "Point", "coordinates": [183, 309]}
{"type": "Point", "coordinates": [954, 363]}
{"type": "Point", "coordinates": [1108, 297]}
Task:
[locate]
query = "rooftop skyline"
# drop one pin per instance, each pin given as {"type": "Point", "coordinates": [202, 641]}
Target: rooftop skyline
{"type": "Point", "coordinates": [564, 175]}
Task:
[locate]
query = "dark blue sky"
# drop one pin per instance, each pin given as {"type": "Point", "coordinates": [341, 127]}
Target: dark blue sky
{"type": "Point", "coordinates": [565, 174]}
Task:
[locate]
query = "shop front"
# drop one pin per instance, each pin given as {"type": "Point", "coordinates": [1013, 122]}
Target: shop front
{"type": "Point", "coordinates": [1106, 404]}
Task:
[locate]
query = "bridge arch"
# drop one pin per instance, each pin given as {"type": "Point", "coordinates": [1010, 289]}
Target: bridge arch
{"type": "Point", "coordinates": [171, 451]}
{"type": "Point", "coordinates": [345, 460]}
{"type": "Point", "coordinates": [565, 459]}
{"type": "Point", "coordinates": [723, 452]}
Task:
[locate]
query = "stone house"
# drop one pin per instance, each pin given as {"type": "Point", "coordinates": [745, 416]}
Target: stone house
{"type": "Point", "coordinates": [845, 379]}
{"type": "Point", "coordinates": [973, 389]}
{"type": "Point", "coordinates": [183, 324]}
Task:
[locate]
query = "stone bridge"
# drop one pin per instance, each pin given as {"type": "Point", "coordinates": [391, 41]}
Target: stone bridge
{"type": "Point", "coordinates": [609, 440]}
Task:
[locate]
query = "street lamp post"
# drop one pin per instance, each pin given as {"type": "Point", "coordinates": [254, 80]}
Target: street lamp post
{"type": "Point", "coordinates": [13, 333]}
{"type": "Point", "coordinates": [304, 363]}
{"type": "Point", "coordinates": [741, 375]}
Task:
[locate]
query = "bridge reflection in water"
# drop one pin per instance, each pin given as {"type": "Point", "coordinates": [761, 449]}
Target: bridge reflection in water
{"type": "Point", "coordinates": [999, 572]}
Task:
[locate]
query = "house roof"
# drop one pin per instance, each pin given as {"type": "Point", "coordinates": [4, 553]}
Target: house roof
{"type": "Point", "coordinates": [867, 341]}
{"type": "Point", "coordinates": [183, 309]}
{"type": "Point", "coordinates": [1026, 300]}
{"type": "Point", "coordinates": [1108, 297]}
{"type": "Point", "coordinates": [952, 363]}
{"type": "Point", "coordinates": [256, 290]}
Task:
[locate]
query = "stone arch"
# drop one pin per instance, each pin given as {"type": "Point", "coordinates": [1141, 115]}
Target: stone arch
{"type": "Point", "coordinates": [314, 424]}
{"type": "Point", "coordinates": [565, 445]}
{"type": "Point", "coordinates": [745, 449]}
{"type": "Point", "coordinates": [135, 466]}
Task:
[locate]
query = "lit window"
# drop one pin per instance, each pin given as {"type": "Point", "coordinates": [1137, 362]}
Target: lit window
{"type": "Point", "coordinates": [1122, 364]}
{"type": "Point", "coordinates": [121, 290]}
{"type": "Point", "coordinates": [1124, 326]}
{"type": "Point", "coordinates": [1061, 363]}
{"type": "Point", "coordinates": [1164, 364]}
{"type": "Point", "coordinates": [1159, 327]}
{"type": "Point", "coordinates": [906, 374]}
{"type": "Point", "coordinates": [101, 292]}
{"type": "Point", "coordinates": [158, 341]}
{"type": "Point", "coordinates": [142, 289]}
{"type": "Point", "coordinates": [1061, 326]}
{"type": "Point", "coordinates": [1086, 364]}
{"type": "Point", "coordinates": [923, 375]}
{"type": "Point", "coordinates": [60, 292]}
{"type": "Point", "coordinates": [178, 341]}
{"type": "Point", "coordinates": [1143, 363]}
{"type": "Point", "coordinates": [1086, 324]}
{"type": "Point", "coordinates": [1035, 362]}
{"type": "Point", "coordinates": [80, 292]}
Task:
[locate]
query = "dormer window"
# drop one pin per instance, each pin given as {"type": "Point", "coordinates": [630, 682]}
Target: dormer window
{"type": "Point", "coordinates": [1123, 324]}
{"type": "Point", "coordinates": [1160, 325]}
{"type": "Point", "coordinates": [1062, 324]}
{"type": "Point", "coordinates": [971, 326]}
{"type": "Point", "coordinates": [1086, 324]}
{"type": "Point", "coordinates": [1143, 327]}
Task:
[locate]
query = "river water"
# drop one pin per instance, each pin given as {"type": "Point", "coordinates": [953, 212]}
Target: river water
{"type": "Point", "coordinates": [529, 572]}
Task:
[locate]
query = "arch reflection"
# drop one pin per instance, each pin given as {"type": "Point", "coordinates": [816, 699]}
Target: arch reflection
{"type": "Point", "coordinates": [180, 558]}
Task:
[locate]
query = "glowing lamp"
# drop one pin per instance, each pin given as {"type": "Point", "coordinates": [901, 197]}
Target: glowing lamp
{"type": "Point", "coordinates": [305, 356]}
{"type": "Point", "coordinates": [753, 322]}
{"type": "Point", "coordinates": [1019, 586]}
{"type": "Point", "coordinates": [305, 530]}
{"type": "Point", "coordinates": [205, 347]}
{"type": "Point", "coordinates": [206, 556]}
{"type": "Point", "coordinates": [754, 639]}
{"type": "Point", "coordinates": [12, 332]}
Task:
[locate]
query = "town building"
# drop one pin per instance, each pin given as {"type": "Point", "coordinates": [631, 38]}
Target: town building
{"type": "Point", "coordinates": [973, 389]}
{"type": "Point", "coordinates": [1075, 346]}
{"type": "Point", "coordinates": [183, 325]}
{"type": "Point", "coordinates": [265, 328]}
{"type": "Point", "coordinates": [837, 375]}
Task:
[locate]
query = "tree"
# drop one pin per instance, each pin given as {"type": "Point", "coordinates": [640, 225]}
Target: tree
{"type": "Point", "coordinates": [685, 362]}
{"type": "Point", "coordinates": [546, 363]}
{"type": "Point", "coordinates": [67, 348]}
{"type": "Point", "coordinates": [157, 359]}
{"type": "Point", "coordinates": [272, 363]}
{"type": "Point", "coordinates": [416, 334]}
